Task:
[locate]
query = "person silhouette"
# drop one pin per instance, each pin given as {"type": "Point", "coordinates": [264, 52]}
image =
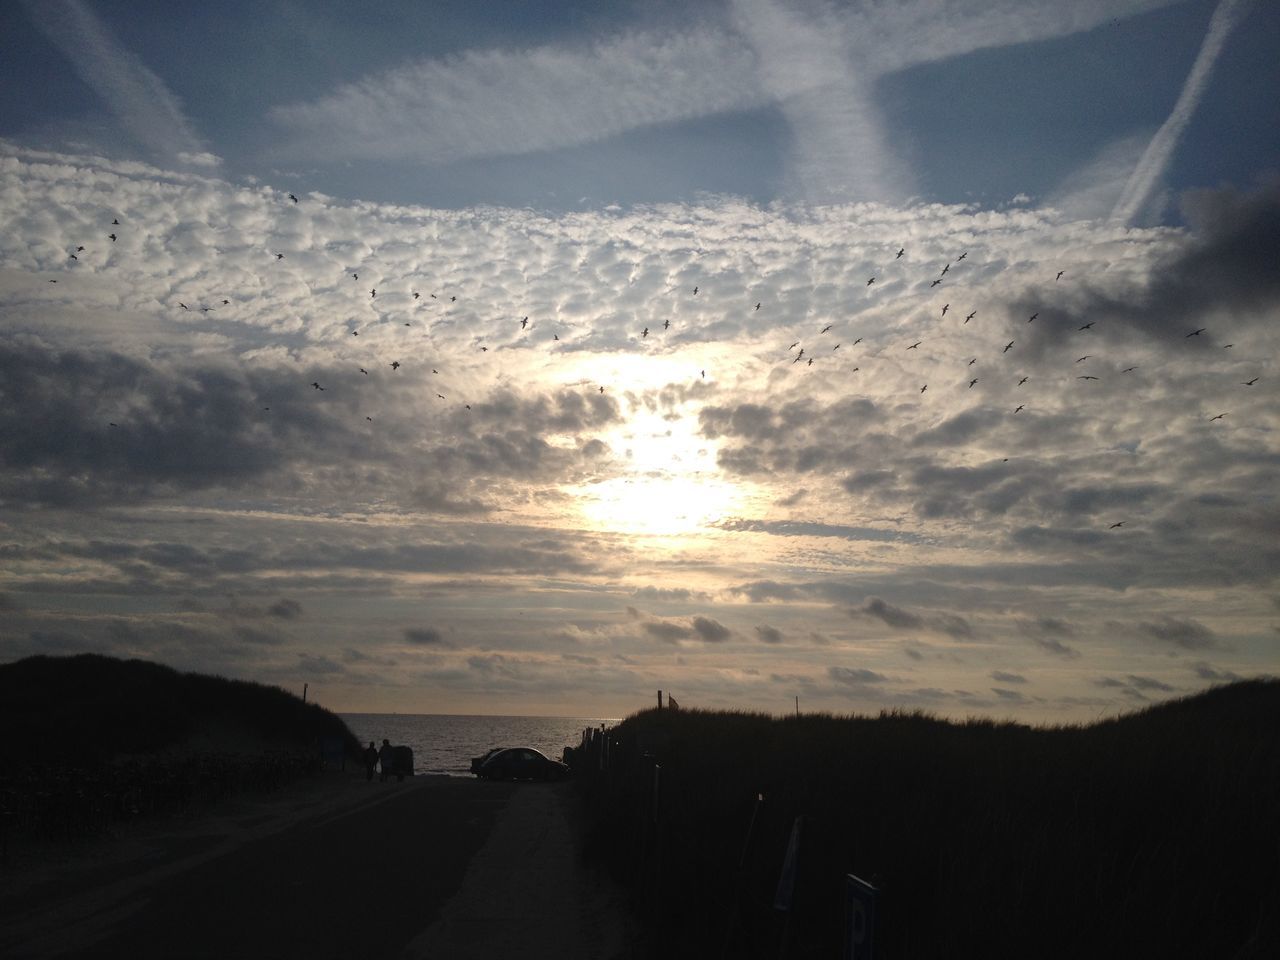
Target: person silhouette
{"type": "Point", "coordinates": [370, 760]}
{"type": "Point", "coordinates": [384, 757]}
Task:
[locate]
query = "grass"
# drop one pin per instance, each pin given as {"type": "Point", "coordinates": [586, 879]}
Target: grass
{"type": "Point", "coordinates": [91, 741]}
{"type": "Point", "coordinates": [1156, 833]}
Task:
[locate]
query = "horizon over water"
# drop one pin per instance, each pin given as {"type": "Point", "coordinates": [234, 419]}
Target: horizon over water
{"type": "Point", "coordinates": [445, 743]}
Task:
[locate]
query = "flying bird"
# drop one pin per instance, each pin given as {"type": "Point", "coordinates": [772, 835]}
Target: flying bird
{"type": "Point", "coordinates": [695, 291]}
{"type": "Point", "coordinates": [962, 256]}
{"type": "Point", "coordinates": [416, 294]}
{"type": "Point", "coordinates": [73, 256]}
{"type": "Point", "coordinates": [364, 371]}
{"type": "Point", "coordinates": [1033, 316]}
{"type": "Point", "coordinates": [355, 276]}
{"type": "Point", "coordinates": [1018, 408]}
{"type": "Point", "coordinates": [293, 198]}
{"type": "Point", "coordinates": [316, 385]}
{"type": "Point", "coordinates": [1086, 378]}
{"type": "Point", "coordinates": [183, 305]}
{"type": "Point", "coordinates": [666, 324]}
{"type": "Point", "coordinates": [924, 388]}
{"type": "Point", "coordinates": [1218, 417]}
{"type": "Point", "coordinates": [871, 281]}
{"type": "Point", "coordinates": [794, 345]}
{"type": "Point", "coordinates": [945, 308]}
{"type": "Point", "coordinates": [1023, 380]}
{"type": "Point", "coordinates": [524, 323]}
{"type": "Point", "coordinates": [944, 270]}
{"type": "Point", "coordinates": [901, 252]}
{"type": "Point", "coordinates": [1089, 325]}
{"type": "Point", "coordinates": [451, 299]}
{"type": "Point", "coordinates": [279, 256]}
{"type": "Point", "coordinates": [111, 237]}
{"type": "Point", "coordinates": [1119, 523]}
{"type": "Point", "coordinates": [858, 341]}
{"type": "Point", "coordinates": [972, 382]}
{"type": "Point", "coordinates": [757, 306]}
{"type": "Point", "coordinates": [644, 333]}
{"type": "Point", "coordinates": [972, 362]}
{"type": "Point", "coordinates": [916, 344]}
{"type": "Point", "coordinates": [970, 316]}
{"type": "Point", "coordinates": [115, 223]}
{"type": "Point", "coordinates": [1059, 276]}
{"type": "Point", "coordinates": [373, 293]}
{"type": "Point", "coordinates": [1007, 347]}
{"type": "Point", "coordinates": [936, 282]}
{"type": "Point", "coordinates": [370, 419]}
{"type": "Point", "coordinates": [226, 303]}
{"type": "Point", "coordinates": [1249, 383]}
{"type": "Point", "coordinates": [810, 363]}
{"type": "Point", "coordinates": [79, 249]}
{"type": "Point", "coordinates": [825, 329]}
{"type": "Point", "coordinates": [1195, 333]}
{"type": "Point", "coordinates": [1128, 369]}
{"type": "Point", "coordinates": [395, 364]}
{"type": "Point", "coordinates": [1085, 357]}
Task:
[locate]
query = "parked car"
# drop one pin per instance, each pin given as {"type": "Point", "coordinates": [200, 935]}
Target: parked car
{"type": "Point", "coordinates": [517, 763]}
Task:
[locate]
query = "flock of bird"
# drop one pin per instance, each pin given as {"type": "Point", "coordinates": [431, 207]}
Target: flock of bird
{"type": "Point", "coordinates": [796, 358]}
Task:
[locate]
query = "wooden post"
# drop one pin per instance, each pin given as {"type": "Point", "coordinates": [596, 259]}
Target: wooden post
{"type": "Point", "coordinates": [797, 704]}
{"type": "Point", "coordinates": [304, 693]}
{"type": "Point", "coordinates": [659, 699]}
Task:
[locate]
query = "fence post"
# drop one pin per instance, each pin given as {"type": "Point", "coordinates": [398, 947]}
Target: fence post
{"type": "Point", "coordinates": [785, 892]}
{"type": "Point", "coordinates": [738, 875]}
{"type": "Point", "coordinates": [859, 919]}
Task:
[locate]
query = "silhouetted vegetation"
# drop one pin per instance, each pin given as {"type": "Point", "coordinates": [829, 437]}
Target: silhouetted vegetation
{"type": "Point", "coordinates": [1154, 834]}
{"type": "Point", "coordinates": [92, 740]}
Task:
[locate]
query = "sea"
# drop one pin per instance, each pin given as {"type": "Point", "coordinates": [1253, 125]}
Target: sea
{"type": "Point", "coordinates": [445, 744]}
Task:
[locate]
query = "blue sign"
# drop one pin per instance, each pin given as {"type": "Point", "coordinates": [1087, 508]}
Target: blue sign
{"type": "Point", "coordinates": [859, 919]}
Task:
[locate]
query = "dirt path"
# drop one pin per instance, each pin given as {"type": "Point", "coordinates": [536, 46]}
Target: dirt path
{"type": "Point", "coordinates": [351, 870]}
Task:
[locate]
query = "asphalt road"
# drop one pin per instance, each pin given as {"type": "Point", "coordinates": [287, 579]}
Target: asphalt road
{"type": "Point", "coordinates": [356, 879]}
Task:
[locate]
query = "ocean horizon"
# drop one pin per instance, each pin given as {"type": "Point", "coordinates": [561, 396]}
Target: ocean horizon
{"type": "Point", "coordinates": [444, 744]}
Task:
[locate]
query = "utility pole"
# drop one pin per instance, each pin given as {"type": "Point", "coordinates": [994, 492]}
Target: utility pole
{"type": "Point", "coordinates": [659, 699]}
{"type": "Point", "coordinates": [797, 704]}
{"type": "Point", "coordinates": [304, 693]}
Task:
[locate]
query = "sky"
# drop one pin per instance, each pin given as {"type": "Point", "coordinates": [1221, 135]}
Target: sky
{"type": "Point", "coordinates": [531, 358]}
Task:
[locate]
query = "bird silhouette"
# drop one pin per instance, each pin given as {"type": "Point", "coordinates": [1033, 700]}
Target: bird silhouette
{"type": "Point", "coordinates": [757, 306]}
{"type": "Point", "coordinates": [945, 308]}
{"type": "Point", "coordinates": [1059, 276]}
{"type": "Point", "coordinates": [1118, 523]}
{"type": "Point", "coordinates": [972, 362]}
{"type": "Point", "coordinates": [695, 291]}
{"type": "Point", "coordinates": [1195, 333]}
{"type": "Point", "coordinates": [1007, 347]}
{"type": "Point", "coordinates": [871, 281]}
{"type": "Point", "coordinates": [972, 382]}
{"type": "Point", "coordinates": [364, 371]}
{"type": "Point", "coordinates": [924, 388]}
{"type": "Point", "coordinates": [936, 282]}
{"type": "Point", "coordinates": [293, 198]}
{"type": "Point", "coordinates": [524, 323]}
{"type": "Point", "coordinates": [279, 256]}
{"type": "Point", "coordinates": [944, 270]}
{"type": "Point", "coordinates": [316, 385]}
{"type": "Point", "coordinates": [115, 223]}
{"type": "Point", "coordinates": [900, 253]}
{"type": "Point", "coordinates": [1249, 383]}
{"type": "Point", "coordinates": [825, 329]}
{"type": "Point", "coordinates": [1023, 380]}
{"type": "Point", "coordinates": [395, 364]}
{"type": "Point", "coordinates": [373, 293]}
{"type": "Point", "coordinates": [962, 256]}
{"type": "Point", "coordinates": [1087, 378]}
{"type": "Point", "coordinates": [355, 276]}
{"type": "Point", "coordinates": [416, 294]}
{"type": "Point", "coordinates": [183, 305]}
{"type": "Point", "coordinates": [644, 333]}
{"type": "Point", "coordinates": [1218, 417]}
{"type": "Point", "coordinates": [666, 324]}
{"type": "Point", "coordinates": [916, 344]}
{"type": "Point", "coordinates": [1018, 408]}
{"type": "Point", "coordinates": [858, 341]}
{"type": "Point", "coordinates": [1128, 369]}
{"type": "Point", "coordinates": [111, 237]}
{"type": "Point", "coordinates": [1085, 357]}
{"type": "Point", "coordinates": [970, 316]}
{"type": "Point", "coordinates": [1033, 316]}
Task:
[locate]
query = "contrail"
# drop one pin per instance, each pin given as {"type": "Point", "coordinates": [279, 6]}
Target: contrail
{"type": "Point", "coordinates": [1155, 159]}
{"type": "Point", "coordinates": [141, 101]}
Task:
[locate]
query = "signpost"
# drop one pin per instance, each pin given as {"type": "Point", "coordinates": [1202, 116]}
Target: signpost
{"type": "Point", "coordinates": [859, 919]}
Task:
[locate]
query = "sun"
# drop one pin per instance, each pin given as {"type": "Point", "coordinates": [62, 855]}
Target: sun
{"type": "Point", "coordinates": [665, 483]}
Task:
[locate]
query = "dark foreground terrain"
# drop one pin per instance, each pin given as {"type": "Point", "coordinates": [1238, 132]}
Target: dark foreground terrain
{"type": "Point", "coordinates": [333, 867]}
{"type": "Point", "coordinates": [1156, 834]}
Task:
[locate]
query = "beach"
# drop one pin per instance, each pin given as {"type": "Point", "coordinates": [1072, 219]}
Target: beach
{"type": "Point", "coordinates": [332, 866]}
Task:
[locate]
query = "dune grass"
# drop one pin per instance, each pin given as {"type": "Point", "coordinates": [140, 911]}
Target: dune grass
{"type": "Point", "coordinates": [1153, 834]}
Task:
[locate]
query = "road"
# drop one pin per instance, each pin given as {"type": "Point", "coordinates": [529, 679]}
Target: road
{"type": "Point", "coordinates": [358, 875]}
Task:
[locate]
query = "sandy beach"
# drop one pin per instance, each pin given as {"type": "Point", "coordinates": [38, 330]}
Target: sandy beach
{"type": "Point", "coordinates": [329, 867]}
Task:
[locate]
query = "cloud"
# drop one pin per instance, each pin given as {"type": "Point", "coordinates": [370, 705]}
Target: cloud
{"type": "Point", "coordinates": [501, 101]}
{"type": "Point", "coordinates": [895, 617]}
{"type": "Point", "coordinates": [1151, 165]}
{"type": "Point", "coordinates": [1186, 633]}
{"type": "Point", "coordinates": [1003, 676]}
{"type": "Point", "coordinates": [285, 609]}
{"type": "Point", "coordinates": [712, 631]}
{"type": "Point", "coordinates": [1056, 647]}
{"type": "Point", "coordinates": [426, 637]}
{"type": "Point", "coordinates": [854, 677]}
{"type": "Point", "coordinates": [1206, 671]}
{"type": "Point", "coordinates": [768, 634]}
{"type": "Point", "coordinates": [140, 100]}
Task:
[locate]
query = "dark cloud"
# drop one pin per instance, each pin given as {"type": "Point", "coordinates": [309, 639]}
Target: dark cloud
{"type": "Point", "coordinates": [668, 594]}
{"type": "Point", "coordinates": [768, 634]}
{"type": "Point", "coordinates": [426, 637]}
{"type": "Point", "coordinates": [895, 617]}
{"type": "Point", "coordinates": [666, 631]}
{"type": "Point", "coordinates": [1206, 671]}
{"type": "Point", "coordinates": [311, 664]}
{"type": "Point", "coordinates": [1056, 647]}
{"type": "Point", "coordinates": [285, 609]}
{"type": "Point", "coordinates": [1186, 633]}
{"type": "Point", "coordinates": [802, 528]}
{"type": "Point", "coordinates": [1002, 676]}
{"type": "Point", "coordinates": [710, 630]}
{"type": "Point", "coordinates": [1008, 696]}
{"type": "Point", "coordinates": [854, 676]}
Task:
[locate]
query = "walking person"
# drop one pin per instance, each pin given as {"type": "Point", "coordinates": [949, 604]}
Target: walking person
{"type": "Point", "coordinates": [370, 761]}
